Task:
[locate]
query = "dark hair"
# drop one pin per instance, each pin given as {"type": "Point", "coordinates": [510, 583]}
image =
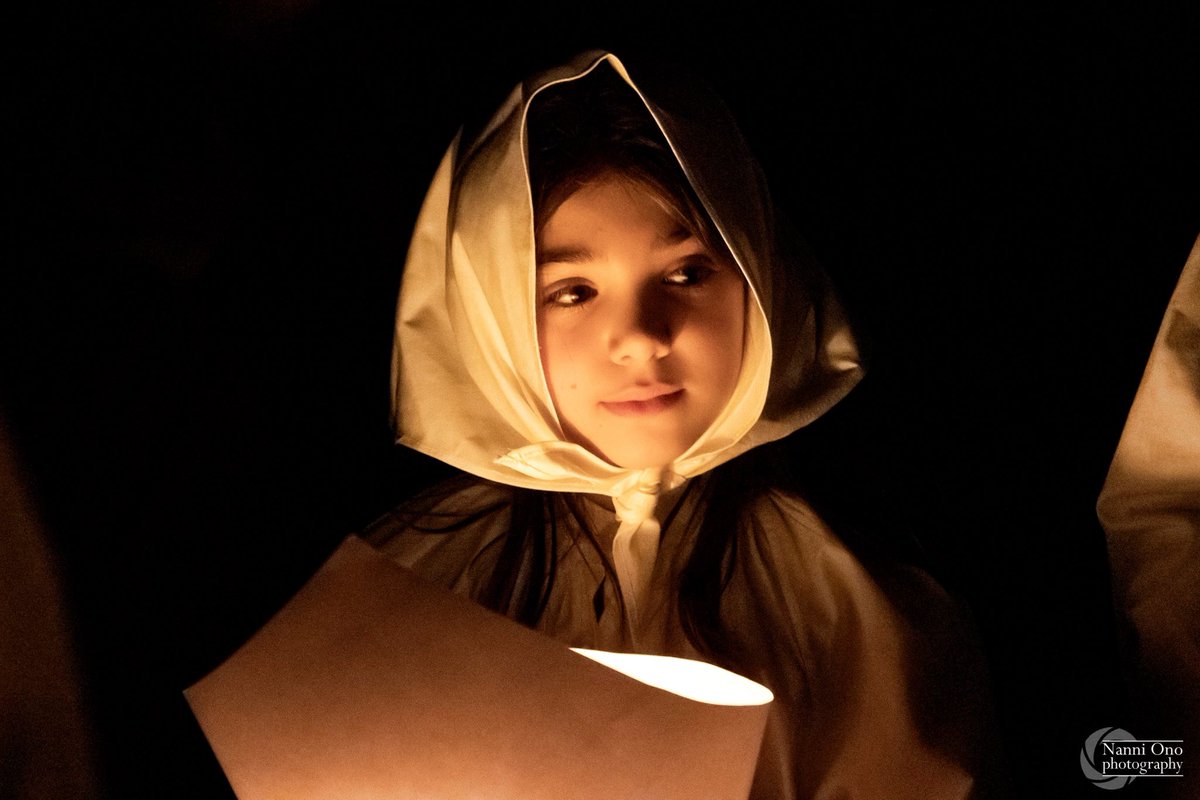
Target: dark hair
{"type": "Point", "coordinates": [597, 125]}
{"type": "Point", "coordinates": [518, 569]}
{"type": "Point", "coordinates": [515, 573]}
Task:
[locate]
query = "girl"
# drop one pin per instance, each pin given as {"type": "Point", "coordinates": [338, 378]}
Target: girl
{"type": "Point", "coordinates": [598, 313]}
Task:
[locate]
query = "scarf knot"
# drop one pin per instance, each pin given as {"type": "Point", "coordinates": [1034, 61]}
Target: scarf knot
{"type": "Point", "coordinates": [637, 504]}
{"type": "Point", "coordinates": [635, 545]}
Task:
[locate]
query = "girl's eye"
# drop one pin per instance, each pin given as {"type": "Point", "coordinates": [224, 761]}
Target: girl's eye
{"type": "Point", "coordinates": [571, 295]}
{"type": "Point", "coordinates": [690, 275]}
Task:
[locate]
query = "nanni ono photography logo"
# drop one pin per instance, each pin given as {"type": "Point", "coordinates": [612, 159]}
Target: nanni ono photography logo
{"type": "Point", "coordinates": [1112, 758]}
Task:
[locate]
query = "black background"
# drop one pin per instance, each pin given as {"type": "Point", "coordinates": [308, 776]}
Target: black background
{"type": "Point", "coordinates": [212, 204]}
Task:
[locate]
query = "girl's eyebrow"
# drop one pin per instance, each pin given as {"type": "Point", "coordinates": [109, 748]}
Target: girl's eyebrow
{"type": "Point", "coordinates": [678, 235]}
{"type": "Point", "coordinates": [572, 254]}
{"type": "Point", "coordinates": [564, 255]}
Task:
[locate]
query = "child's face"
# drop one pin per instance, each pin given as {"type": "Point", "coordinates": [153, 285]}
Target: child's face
{"type": "Point", "coordinates": [640, 325]}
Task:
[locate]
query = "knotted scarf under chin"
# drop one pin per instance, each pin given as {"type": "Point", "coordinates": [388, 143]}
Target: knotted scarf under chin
{"type": "Point", "coordinates": [635, 545]}
{"type": "Point", "coordinates": [561, 466]}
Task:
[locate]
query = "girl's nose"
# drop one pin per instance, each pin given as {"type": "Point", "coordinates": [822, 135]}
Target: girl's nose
{"type": "Point", "coordinates": [640, 333]}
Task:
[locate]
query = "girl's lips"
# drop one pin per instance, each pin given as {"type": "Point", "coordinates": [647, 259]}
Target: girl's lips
{"type": "Point", "coordinates": [652, 405]}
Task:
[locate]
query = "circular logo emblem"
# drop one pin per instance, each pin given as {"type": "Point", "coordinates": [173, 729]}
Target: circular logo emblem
{"type": "Point", "coordinates": [1088, 759]}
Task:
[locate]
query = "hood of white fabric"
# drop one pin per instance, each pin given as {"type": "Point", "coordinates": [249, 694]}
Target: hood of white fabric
{"type": "Point", "coordinates": [467, 381]}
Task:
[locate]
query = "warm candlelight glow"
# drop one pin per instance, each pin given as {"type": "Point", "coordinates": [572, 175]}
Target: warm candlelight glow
{"type": "Point", "coordinates": [695, 680]}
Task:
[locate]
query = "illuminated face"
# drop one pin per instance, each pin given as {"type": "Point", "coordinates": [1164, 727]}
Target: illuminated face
{"type": "Point", "coordinates": [640, 325]}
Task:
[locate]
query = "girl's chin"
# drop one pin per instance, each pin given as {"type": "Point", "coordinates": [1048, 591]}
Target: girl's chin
{"type": "Point", "coordinates": [645, 454]}
{"type": "Point", "coordinates": [638, 443]}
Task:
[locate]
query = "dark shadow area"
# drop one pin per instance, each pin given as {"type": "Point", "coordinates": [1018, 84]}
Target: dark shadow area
{"type": "Point", "coordinates": [213, 206]}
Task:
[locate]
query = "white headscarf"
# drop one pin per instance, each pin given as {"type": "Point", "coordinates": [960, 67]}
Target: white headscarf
{"type": "Point", "coordinates": [467, 381]}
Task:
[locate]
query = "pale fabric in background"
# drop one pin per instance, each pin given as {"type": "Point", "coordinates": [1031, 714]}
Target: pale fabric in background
{"type": "Point", "coordinates": [1150, 509]}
